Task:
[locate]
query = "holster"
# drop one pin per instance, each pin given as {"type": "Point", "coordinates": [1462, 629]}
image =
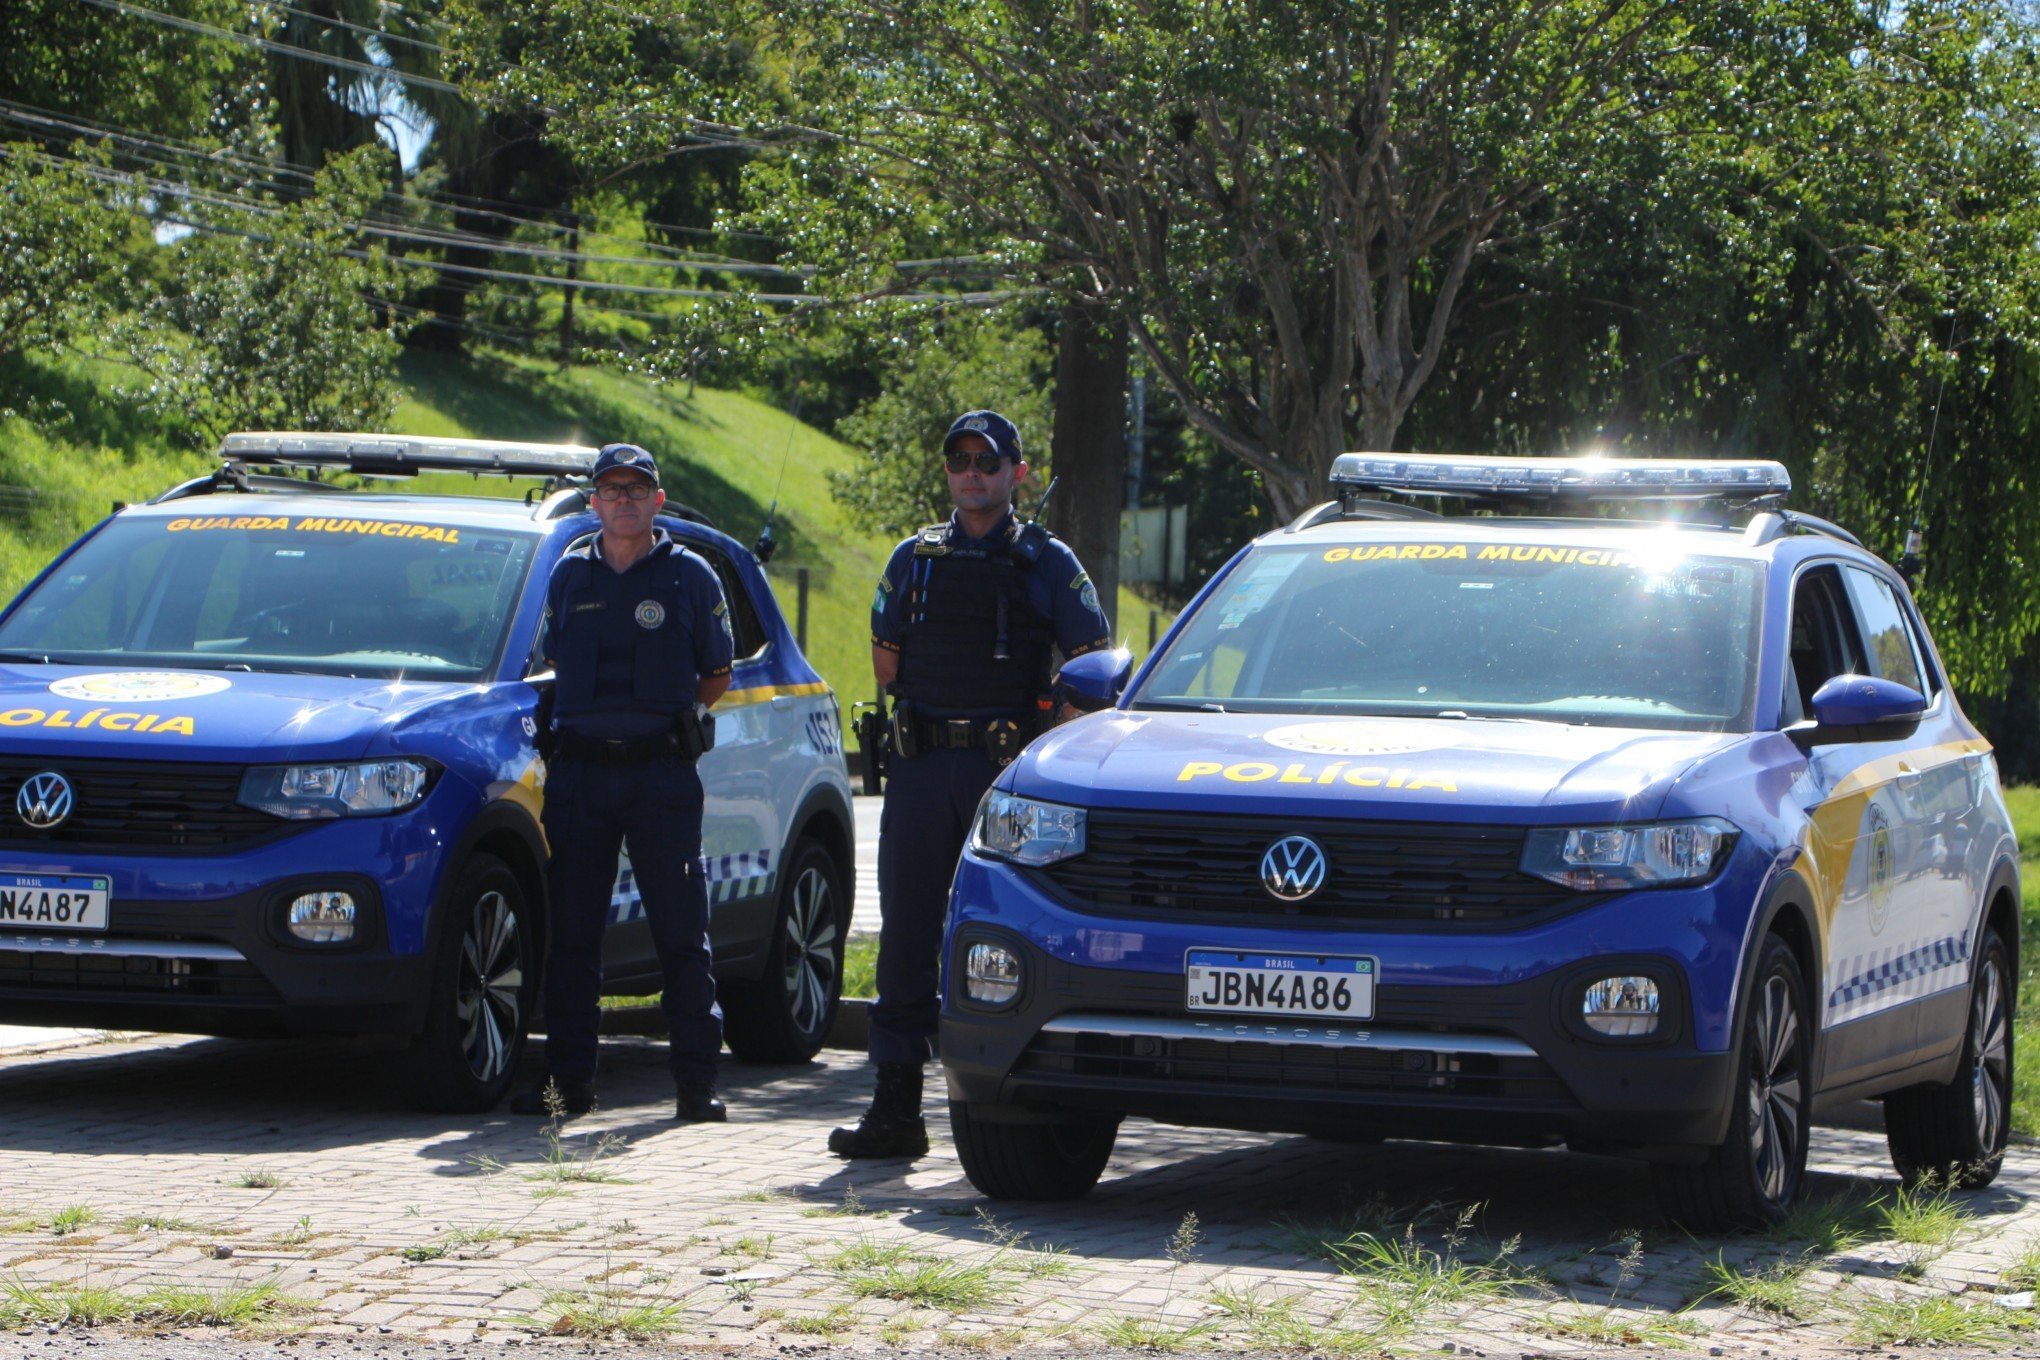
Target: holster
{"type": "Point", "coordinates": [871, 744]}
{"type": "Point", "coordinates": [695, 733]}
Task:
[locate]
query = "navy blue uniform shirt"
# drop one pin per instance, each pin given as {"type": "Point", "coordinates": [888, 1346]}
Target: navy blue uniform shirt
{"type": "Point", "coordinates": [629, 611]}
{"type": "Point", "coordinates": [1057, 586]}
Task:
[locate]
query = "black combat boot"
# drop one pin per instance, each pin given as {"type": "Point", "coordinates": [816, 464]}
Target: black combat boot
{"type": "Point", "coordinates": [893, 1126]}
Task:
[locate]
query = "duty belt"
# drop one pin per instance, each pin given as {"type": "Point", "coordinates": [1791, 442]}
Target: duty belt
{"type": "Point", "coordinates": [1002, 738]}
{"type": "Point", "coordinates": [621, 751]}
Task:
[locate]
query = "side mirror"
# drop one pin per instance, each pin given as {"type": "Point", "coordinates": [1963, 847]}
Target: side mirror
{"type": "Point", "coordinates": [1094, 680]}
{"type": "Point", "coordinates": [1860, 708]}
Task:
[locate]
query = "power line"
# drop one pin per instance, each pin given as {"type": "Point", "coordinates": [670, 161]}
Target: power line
{"type": "Point", "coordinates": [366, 68]}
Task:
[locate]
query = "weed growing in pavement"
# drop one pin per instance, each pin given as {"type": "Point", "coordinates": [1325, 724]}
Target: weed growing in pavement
{"type": "Point", "coordinates": [1275, 1324]}
{"type": "Point", "coordinates": [853, 1206]}
{"type": "Point", "coordinates": [90, 1305]}
{"type": "Point", "coordinates": [896, 1332]}
{"type": "Point", "coordinates": [1937, 1320]}
{"type": "Point", "coordinates": [1319, 1238]}
{"type": "Point", "coordinates": [839, 1319]}
{"type": "Point", "coordinates": [770, 1195]}
{"type": "Point", "coordinates": [2023, 1273]}
{"type": "Point", "coordinates": [1826, 1226]}
{"type": "Point", "coordinates": [604, 1313]}
{"type": "Point", "coordinates": [164, 1223]}
{"type": "Point", "coordinates": [422, 1252]}
{"type": "Point", "coordinates": [1925, 1219]}
{"type": "Point", "coordinates": [1404, 1281]}
{"type": "Point", "coordinates": [1153, 1334]}
{"type": "Point", "coordinates": [747, 1250]}
{"type": "Point", "coordinates": [261, 1178]}
{"type": "Point", "coordinates": [297, 1234]}
{"type": "Point", "coordinates": [1607, 1327]}
{"type": "Point", "coordinates": [1045, 1262]}
{"type": "Point", "coordinates": [243, 1306]}
{"type": "Point", "coordinates": [1778, 1289]}
{"type": "Point", "coordinates": [72, 1217]}
{"type": "Point", "coordinates": [954, 1286]}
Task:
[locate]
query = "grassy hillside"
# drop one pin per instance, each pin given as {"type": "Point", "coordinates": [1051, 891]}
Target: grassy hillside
{"type": "Point", "coordinates": [2025, 807]}
{"type": "Point", "coordinates": [89, 445]}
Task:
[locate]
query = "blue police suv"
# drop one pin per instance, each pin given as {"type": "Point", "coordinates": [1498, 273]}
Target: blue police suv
{"type": "Point", "coordinates": [267, 763]}
{"type": "Point", "coordinates": [1641, 819]}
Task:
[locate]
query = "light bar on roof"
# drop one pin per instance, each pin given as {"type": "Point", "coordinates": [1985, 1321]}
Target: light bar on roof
{"type": "Point", "coordinates": [1592, 479]}
{"type": "Point", "coordinates": [397, 455]}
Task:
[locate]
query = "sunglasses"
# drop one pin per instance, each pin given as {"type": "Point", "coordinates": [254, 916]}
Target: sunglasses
{"type": "Point", "coordinates": [985, 463]}
{"type": "Point", "coordinates": [624, 491]}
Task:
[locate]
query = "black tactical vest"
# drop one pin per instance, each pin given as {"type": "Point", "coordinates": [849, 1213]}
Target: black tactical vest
{"type": "Point", "coordinates": [971, 639]}
{"type": "Point", "coordinates": [622, 647]}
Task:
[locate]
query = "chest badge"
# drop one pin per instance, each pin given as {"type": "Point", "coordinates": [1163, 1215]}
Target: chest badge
{"type": "Point", "coordinates": [651, 614]}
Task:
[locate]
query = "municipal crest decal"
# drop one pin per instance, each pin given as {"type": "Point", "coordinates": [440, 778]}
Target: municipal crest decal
{"type": "Point", "coordinates": [651, 614]}
{"type": "Point", "coordinates": [1086, 592]}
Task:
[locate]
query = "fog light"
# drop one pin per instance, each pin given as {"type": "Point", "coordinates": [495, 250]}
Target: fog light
{"type": "Point", "coordinates": [322, 917]}
{"type": "Point", "coordinates": [1621, 1005]}
{"type": "Point", "coordinates": [991, 974]}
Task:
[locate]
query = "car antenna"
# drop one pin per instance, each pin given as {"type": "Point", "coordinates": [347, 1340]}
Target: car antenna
{"type": "Point", "coordinates": [1913, 558]}
{"type": "Point", "coordinates": [766, 544]}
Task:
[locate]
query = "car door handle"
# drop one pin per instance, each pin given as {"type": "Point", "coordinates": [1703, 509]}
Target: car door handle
{"type": "Point", "coordinates": [782, 701]}
{"type": "Point", "coordinates": [1907, 774]}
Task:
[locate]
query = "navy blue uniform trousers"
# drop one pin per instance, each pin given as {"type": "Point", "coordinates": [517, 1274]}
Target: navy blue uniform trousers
{"type": "Point", "coordinates": [930, 801]}
{"type": "Point", "coordinates": [591, 813]}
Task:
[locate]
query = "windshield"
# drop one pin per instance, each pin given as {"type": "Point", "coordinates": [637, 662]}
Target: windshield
{"type": "Point", "coordinates": [330, 595]}
{"type": "Point", "coordinates": [1474, 629]}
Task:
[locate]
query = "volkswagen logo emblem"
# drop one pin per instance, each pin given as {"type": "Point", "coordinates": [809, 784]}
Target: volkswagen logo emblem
{"type": "Point", "coordinates": [1293, 868]}
{"type": "Point", "coordinates": [44, 800]}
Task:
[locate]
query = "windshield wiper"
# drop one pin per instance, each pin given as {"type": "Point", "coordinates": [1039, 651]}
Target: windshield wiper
{"type": "Point", "coordinates": [1463, 716]}
{"type": "Point", "coordinates": [1174, 706]}
{"type": "Point", "coordinates": [33, 658]}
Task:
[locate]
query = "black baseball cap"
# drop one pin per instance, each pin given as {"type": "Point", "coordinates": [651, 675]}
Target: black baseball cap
{"type": "Point", "coordinates": [992, 427]}
{"type": "Point", "coordinates": [628, 456]}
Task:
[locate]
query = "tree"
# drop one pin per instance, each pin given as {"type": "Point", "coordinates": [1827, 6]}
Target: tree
{"type": "Point", "coordinates": [61, 242]}
{"type": "Point", "coordinates": [72, 59]}
{"type": "Point", "coordinates": [267, 322]}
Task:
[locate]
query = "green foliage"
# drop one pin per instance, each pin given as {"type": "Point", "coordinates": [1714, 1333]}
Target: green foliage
{"type": "Point", "coordinates": [83, 61]}
{"type": "Point", "coordinates": [268, 323]}
{"type": "Point", "coordinates": [2025, 809]}
{"type": "Point", "coordinates": [965, 365]}
{"type": "Point", "coordinates": [60, 246]}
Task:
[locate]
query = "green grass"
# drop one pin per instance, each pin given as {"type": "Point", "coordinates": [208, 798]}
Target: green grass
{"type": "Point", "coordinates": [860, 966]}
{"type": "Point", "coordinates": [1778, 1289]}
{"type": "Point", "coordinates": [1937, 1320]}
{"type": "Point", "coordinates": [2024, 803]}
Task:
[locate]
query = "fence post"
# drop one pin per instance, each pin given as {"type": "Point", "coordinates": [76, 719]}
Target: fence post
{"type": "Point", "coordinates": [1151, 632]}
{"type": "Point", "coordinates": [800, 578]}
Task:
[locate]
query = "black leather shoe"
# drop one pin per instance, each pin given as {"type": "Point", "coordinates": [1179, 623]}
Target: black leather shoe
{"type": "Point", "coordinates": [700, 1105]}
{"type": "Point", "coordinates": [573, 1098]}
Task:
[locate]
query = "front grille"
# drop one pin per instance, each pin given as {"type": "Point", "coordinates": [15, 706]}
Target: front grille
{"type": "Point", "coordinates": [1293, 1070]}
{"type": "Point", "coordinates": [133, 807]}
{"type": "Point", "coordinates": [1379, 874]}
{"type": "Point", "coordinates": [82, 977]}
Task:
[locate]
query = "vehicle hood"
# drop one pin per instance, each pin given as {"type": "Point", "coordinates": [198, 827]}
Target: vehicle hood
{"type": "Point", "coordinates": [1413, 769]}
{"type": "Point", "coordinates": [205, 715]}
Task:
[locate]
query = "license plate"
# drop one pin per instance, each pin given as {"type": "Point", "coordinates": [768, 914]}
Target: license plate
{"type": "Point", "coordinates": [69, 902]}
{"type": "Point", "coordinates": [1280, 984]}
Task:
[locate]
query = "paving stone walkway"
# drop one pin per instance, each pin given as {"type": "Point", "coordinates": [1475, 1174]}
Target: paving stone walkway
{"type": "Point", "coordinates": [141, 1163]}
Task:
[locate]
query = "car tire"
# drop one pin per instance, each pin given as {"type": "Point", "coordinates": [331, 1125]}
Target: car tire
{"type": "Point", "coordinates": [484, 989]}
{"type": "Point", "coordinates": [1757, 1172]}
{"type": "Point", "coordinates": [785, 1015]}
{"type": "Point", "coordinates": [1032, 1161]}
{"type": "Point", "coordinates": [1956, 1132]}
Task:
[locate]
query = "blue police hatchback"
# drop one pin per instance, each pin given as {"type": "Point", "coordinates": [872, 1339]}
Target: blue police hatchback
{"type": "Point", "coordinates": [1641, 819]}
{"type": "Point", "coordinates": [266, 763]}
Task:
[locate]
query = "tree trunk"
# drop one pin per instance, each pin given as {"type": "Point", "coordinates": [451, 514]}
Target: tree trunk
{"type": "Point", "coordinates": [1089, 444]}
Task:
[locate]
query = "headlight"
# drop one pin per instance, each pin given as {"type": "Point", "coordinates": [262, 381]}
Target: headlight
{"type": "Point", "coordinates": [1025, 831]}
{"type": "Point", "coordinates": [1657, 855]}
{"type": "Point", "coordinates": [369, 788]}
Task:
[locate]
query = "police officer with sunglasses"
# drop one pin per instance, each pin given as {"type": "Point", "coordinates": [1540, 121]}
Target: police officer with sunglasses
{"type": "Point", "coordinates": [963, 630]}
{"type": "Point", "coordinates": [638, 635]}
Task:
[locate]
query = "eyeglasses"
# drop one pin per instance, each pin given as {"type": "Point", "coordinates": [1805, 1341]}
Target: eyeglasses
{"type": "Point", "coordinates": [624, 491]}
{"type": "Point", "coordinates": [985, 463]}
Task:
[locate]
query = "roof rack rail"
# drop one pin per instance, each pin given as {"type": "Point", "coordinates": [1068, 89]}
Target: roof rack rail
{"type": "Point", "coordinates": [1774, 524]}
{"type": "Point", "coordinates": [1501, 480]}
{"type": "Point", "coordinates": [1351, 506]}
{"type": "Point", "coordinates": [396, 455]}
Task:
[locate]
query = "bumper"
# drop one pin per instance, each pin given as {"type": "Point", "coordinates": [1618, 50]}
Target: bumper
{"type": "Point", "coordinates": [197, 944]}
{"type": "Point", "coordinates": [1483, 1051]}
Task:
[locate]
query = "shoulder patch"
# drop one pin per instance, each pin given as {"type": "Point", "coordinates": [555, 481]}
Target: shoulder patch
{"type": "Point", "coordinates": [1088, 593]}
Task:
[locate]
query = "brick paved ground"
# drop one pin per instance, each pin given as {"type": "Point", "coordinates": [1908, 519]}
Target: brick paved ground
{"type": "Point", "coordinates": [293, 1166]}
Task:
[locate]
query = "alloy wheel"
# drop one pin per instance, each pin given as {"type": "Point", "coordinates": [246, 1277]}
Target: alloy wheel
{"type": "Point", "coordinates": [488, 1001]}
{"type": "Point", "coordinates": [810, 959]}
{"type": "Point", "coordinates": [1990, 1042]}
{"type": "Point", "coordinates": [1775, 1095]}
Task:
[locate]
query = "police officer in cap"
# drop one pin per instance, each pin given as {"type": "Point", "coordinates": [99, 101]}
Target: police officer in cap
{"type": "Point", "coordinates": [637, 632]}
{"type": "Point", "coordinates": [963, 628]}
